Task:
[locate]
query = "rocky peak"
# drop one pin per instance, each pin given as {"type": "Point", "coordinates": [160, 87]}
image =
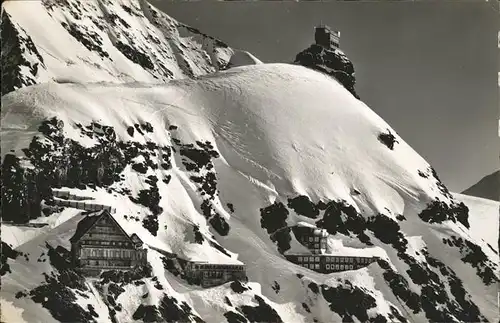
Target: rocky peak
{"type": "Point", "coordinates": [101, 41]}
{"type": "Point", "coordinates": [325, 56]}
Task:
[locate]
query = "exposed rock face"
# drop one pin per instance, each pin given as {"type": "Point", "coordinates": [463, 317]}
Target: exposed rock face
{"type": "Point", "coordinates": [330, 61]}
{"type": "Point", "coordinates": [17, 46]}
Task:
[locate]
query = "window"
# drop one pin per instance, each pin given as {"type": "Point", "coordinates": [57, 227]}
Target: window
{"type": "Point", "coordinates": [328, 266]}
{"type": "Point", "coordinates": [306, 265]}
{"type": "Point", "coordinates": [328, 260]}
{"type": "Point", "coordinates": [311, 239]}
{"type": "Point", "coordinates": [316, 266]}
{"type": "Point", "coordinates": [316, 245]}
{"type": "Point", "coordinates": [311, 259]}
{"type": "Point", "coordinates": [351, 267]}
{"type": "Point", "coordinates": [300, 259]}
{"type": "Point", "coordinates": [341, 267]}
{"type": "Point", "coordinates": [316, 239]}
{"type": "Point", "coordinates": [316, 259]}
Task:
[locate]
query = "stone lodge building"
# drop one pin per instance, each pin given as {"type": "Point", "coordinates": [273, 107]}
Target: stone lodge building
{"type": "Point", "coordinates": [100, 243]}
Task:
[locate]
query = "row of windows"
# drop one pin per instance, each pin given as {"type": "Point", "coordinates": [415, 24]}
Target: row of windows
{"type": "Point", "coordinates": [219, 267]}
{"type": "Point", "coordinates": [106, 263]}
{"type": "Point", "coordinates": [212, 274]}
{"type": "Point", "coordinates": [335, 259]}
{"type": "Point", "coordinates": [107, 243]}
{"type": "Point", "coordinates": [329, 267]}
{"type": "Point", "coordinates": [107, 253]}
{"type": "Point", "coordinates": [311, 239]}
{"type": "Point", "coordinates": [310, 259]}
{"type": "Point", "coordinates": [311, 266]}
{"type": "Point", "coordinates": [339, 267]}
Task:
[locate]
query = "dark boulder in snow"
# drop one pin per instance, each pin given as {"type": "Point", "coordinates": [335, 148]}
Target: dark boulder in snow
{"type": "Point", "coordinates": [234, 317]}
{"type": "Point", "coordinates": [238, 287]}
{"type": "Point", "coordinates": [147, 313]}
{"type": "Point", "coordinates": [273, 220]}
{"type": "Point", "coordinates": [261, 313]}
{"type": "Point", "coordinates": [439, 211]}
{"type": "Point", "coordinates": [302, 205]}
{"type": "Point", "coordinates": [350, 301]}
{"type": "Point", "coordinates": [273, 217]}
{"type": "Point", "coordinates": [7, 252]}
{"type": "Point", "coordinates": [172, 310]}
{"type": "Point", "coordinates": [387, 139]}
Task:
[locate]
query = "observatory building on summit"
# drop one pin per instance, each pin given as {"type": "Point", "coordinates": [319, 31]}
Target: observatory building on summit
{"type": "Point", "coordinates": [326, 37]}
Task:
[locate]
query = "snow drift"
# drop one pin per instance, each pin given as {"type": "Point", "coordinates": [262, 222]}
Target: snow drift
{"type": "Point", "coordinates": [242, 58]}
{"type": "Point", "coordinates": [238, 158]}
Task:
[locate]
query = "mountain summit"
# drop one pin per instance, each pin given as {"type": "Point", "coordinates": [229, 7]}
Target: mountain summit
{"type": "Point", "coordinates": [325, 56]}
{"type": "Point", "coordinates": [221, 169]}
{"type": "Point", "coordinates": [488, 187]}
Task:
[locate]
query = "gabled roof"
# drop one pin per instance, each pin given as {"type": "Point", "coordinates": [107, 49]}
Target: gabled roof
{"type": "Point", "coordinates": [90, 220]}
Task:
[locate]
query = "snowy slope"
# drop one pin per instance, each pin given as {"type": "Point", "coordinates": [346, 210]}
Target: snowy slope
{"type": "Point", "coordinates": [101, 40]}
{"type": "Point", "coordinates": [235, 156]}
{"type": "Point", "coordinates": [484, 218]}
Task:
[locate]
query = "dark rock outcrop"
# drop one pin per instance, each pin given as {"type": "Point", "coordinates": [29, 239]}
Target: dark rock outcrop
{"type": "Point", "coordinates": [330, 61]}
{"type": "Point", "coordinates": [16, 46]}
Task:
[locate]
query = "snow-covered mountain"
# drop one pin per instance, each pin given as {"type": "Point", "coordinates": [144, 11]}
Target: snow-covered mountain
{"type": "Point", "coordinates": [220, 167]}
{"type": "Point", "coordinates": [101, 41]}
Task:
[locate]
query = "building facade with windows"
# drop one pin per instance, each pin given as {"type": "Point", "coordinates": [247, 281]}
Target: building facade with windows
{"type": "Point", "coordinates": [209, 275]}
{"type": "Point", "coordinates": [330, 263]}
{"type": "Point", "coordinates": [100, 243]}
{"type": "Point", "coordinates": [314, 239]}
{"type": "Point", "coordinates": [326, 37]}
{"type": "Point", "coordinates": [319, 257]}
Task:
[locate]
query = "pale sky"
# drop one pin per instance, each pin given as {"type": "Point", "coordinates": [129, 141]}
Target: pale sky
{"type": "Point", "coordinates": [429, 69]}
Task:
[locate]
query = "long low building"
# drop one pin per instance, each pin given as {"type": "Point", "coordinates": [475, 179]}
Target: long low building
{"type": "Point", "coordinates": [209, 274]}
{"type": "Point", "coordinates": [83, 205]}
{"type": "Point", "coordinates": [329, 263]}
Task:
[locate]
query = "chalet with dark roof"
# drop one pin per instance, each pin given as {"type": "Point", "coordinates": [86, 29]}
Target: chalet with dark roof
{"type": "Point", "coordinates": [100, 243]}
